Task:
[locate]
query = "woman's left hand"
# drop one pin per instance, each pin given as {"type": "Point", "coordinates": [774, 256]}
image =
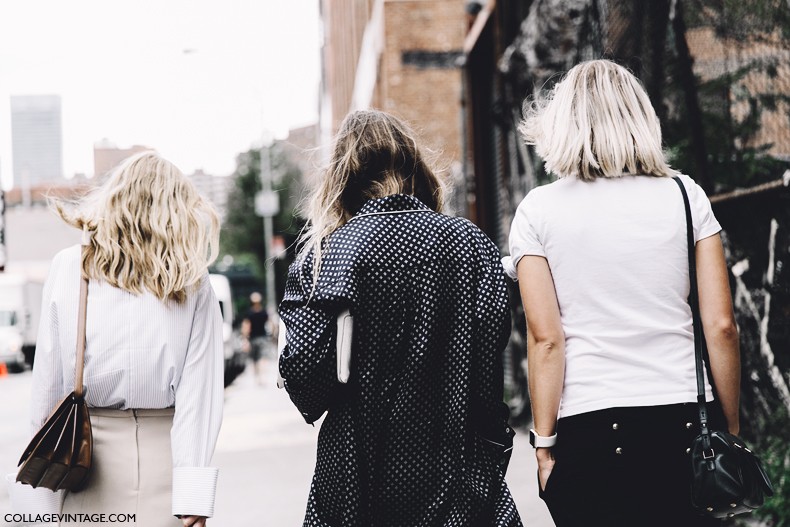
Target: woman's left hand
{"type": "Point", "coordinates": [545, 465]}
{"type": "Point", "coordinates": [194, 521]}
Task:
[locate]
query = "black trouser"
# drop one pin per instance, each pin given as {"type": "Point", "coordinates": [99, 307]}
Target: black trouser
{"type": "Point", "coordinates": [625, 467]}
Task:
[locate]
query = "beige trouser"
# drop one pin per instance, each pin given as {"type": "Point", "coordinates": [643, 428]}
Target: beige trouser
{"type": "Point", "coordinates": [132, 469]}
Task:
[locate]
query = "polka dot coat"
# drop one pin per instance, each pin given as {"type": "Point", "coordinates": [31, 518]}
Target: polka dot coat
{"type": "Point", "coordinates": [414, 439]}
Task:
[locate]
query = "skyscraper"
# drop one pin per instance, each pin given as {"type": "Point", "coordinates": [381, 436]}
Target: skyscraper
{"type": "Point", "coordinates": [37, 139]}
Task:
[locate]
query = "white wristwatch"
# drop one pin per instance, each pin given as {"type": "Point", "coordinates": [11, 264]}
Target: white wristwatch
{"type": "Point", "coordinates": [538, 441]}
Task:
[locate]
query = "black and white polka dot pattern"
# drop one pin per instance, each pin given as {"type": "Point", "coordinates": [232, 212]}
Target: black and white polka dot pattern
{"type": "Point", "coordinates": [403, 442]}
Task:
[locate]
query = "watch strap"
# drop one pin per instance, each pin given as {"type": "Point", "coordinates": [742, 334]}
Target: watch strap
{"type": "Point", "coordinates": [539, 441]}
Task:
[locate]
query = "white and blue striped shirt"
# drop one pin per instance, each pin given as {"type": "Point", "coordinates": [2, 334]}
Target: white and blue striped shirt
{"type": "Point", "coordinates": [140, 353]}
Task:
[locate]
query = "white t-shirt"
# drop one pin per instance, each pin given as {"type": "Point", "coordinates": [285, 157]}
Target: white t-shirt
{"type": "Point", "coordinates": [617, 253]}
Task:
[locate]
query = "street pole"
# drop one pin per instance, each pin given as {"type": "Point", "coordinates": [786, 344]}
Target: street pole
{"type": "Point", "coordinates": [267, 209]}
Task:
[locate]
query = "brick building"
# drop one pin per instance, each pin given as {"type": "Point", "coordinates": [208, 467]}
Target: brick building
{"type": "Point", "coordinates": [768, 61]}
{"type": "Point", "coordinates": [37, 195]}
{"type": "Point", "coordinates": [106, 156]}
{"type": "Point", "coordinates": [401, 56]}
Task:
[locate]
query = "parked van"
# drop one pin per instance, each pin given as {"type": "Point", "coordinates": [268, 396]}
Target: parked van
{"type": "Point", "coordinates": [234, 359]}
{"type": "Point", "coordinates": [20, 311]}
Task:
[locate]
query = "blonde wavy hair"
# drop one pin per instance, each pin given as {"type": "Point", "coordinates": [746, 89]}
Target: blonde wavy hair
{"type": "Point", "coordinates": [375, 155]}
{"type": "Point", "coordinates": [596, 122]}
{"type": "Point", "coordinates": [151, 230]}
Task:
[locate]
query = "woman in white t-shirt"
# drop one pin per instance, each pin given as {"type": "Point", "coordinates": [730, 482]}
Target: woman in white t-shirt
{"type": "Point", "coordinates": [601, 260]}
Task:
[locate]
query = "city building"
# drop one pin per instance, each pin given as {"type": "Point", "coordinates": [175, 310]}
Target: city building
{"type": "Point", "coordinates": [106, 156]}
{"type": "Point", "coordinates": [460, 70]}
{"type": "Point", "coordinates": [37, 195]}
{"type": "Point", "coordinates": [736, 70]}
{"type": "Point", "coordinates": [760, 68]}
{"type": "Point", "coordinates": [213, 188]}
{"type": "Point", "coordinates": [301, 149]}
{"type": "Point", "coordinates": [37, 139]}
{"type": "Point", "coordinates": [400, 56]}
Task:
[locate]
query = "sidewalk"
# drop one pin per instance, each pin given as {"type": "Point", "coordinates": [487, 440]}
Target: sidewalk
{"type": "Point", "coordinates": [266, 455]}
{"type": "Point", "coordinates": [522, 478]}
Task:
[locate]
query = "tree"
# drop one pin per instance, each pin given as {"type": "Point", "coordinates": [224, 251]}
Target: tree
{"type": "Point", "coordinates": [242, 230]}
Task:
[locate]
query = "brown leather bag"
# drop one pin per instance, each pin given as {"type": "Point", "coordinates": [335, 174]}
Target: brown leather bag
{"type": "Point", "coordinates": [59, 456]}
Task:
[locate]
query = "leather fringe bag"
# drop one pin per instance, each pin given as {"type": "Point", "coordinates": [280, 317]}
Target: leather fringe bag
{"type": "Point", "coordinates": [59, 456]}
{"type": "Point", "coordinates": [727, 477]}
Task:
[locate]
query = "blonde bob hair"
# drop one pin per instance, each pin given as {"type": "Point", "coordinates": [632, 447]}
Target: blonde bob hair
{"type": "Point", "coordinates": [151, 230]}
{"type": "Point", "coordinates": [375, 155]}
{"type": "Point", "coordinates": [596, 122]}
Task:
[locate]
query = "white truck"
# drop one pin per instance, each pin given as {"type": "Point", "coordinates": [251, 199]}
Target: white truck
{"type": "Point", "coordinates": [235, 361]}
{"type": "Point", "coordinates": [20, 311]}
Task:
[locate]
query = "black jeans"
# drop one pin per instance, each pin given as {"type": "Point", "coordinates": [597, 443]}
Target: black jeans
{"type": "Point", "coordinates": [625, 467]}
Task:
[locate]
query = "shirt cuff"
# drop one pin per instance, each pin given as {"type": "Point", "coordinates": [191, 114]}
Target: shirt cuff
{"type": "Point", "coordinates": [27, 500]}
{"type": "Point", "coordinates": [194, 489]}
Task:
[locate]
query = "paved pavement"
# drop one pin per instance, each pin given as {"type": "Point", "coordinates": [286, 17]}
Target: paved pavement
{"type": "Point", "coordinates": [265, 454]}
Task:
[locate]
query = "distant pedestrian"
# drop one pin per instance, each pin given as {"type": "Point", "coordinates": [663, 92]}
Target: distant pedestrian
{"type": "Point", "coordinates": [154, 349]}
{"type": "Point", "coordinates": [419, 435]}
{"type": "Point", "coordinates": [255, 331]}
{"type": "Point", "coordinates": [601, 260]}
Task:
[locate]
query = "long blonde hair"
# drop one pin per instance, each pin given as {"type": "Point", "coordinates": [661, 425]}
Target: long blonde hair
{"type": "Point", "coordinates": [596, 122]}
{"type": "Point", "coordinates": [375, 155]}
{"type": "Point", "coordinates": [151, 229]}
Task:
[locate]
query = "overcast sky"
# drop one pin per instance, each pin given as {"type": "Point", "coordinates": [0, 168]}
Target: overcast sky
{"type": "Point", "coordinates": [198, 80]}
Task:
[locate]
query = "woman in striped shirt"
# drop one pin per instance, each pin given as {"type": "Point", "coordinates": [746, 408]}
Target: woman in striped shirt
{"type": "Point", "coordinates": [153, 358]}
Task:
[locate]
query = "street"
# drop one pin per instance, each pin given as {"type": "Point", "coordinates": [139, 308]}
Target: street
{"type": "Point", "coordinates": [265, 455]}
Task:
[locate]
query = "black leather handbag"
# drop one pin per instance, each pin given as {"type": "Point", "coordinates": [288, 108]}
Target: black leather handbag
{"type": "Point", "coordinates": [727, 477]}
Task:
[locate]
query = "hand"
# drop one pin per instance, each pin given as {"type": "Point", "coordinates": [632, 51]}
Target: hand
{"type": "Point", "coordinates": [194, 521]}
{"type": "Point", "coordinates": [734, 428]}
{"type": "Point", "coordinates": [545, 465]}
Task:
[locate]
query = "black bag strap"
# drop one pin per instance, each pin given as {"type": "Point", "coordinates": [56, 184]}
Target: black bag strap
{"type": "Point", "coordinates": [700, 349]}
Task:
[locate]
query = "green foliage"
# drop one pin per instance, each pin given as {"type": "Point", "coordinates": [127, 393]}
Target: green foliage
{"type": "Point", "coordinates": [775, 453]}
{"type": "Point", "coordinates": [242, 230]}
{"type": "Point", "coordinates": [734, 159]}
{"type": "Point", "coordinates": [741, 20]}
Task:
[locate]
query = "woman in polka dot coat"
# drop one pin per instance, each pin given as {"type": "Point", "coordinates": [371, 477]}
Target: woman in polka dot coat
{"type": "Point", "coordinates": [419, 435]}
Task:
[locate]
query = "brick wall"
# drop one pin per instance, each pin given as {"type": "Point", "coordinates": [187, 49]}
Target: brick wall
{"type": "Point", "coordinates": [715, 56]}
{"type": "Point", "coordinates": [419, 79]}
{"type": "Point", "coordinates": [344, 25]}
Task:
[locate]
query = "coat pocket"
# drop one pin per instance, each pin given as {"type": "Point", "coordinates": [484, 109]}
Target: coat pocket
{"type": "Point", "coordinates": [485, 468]}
